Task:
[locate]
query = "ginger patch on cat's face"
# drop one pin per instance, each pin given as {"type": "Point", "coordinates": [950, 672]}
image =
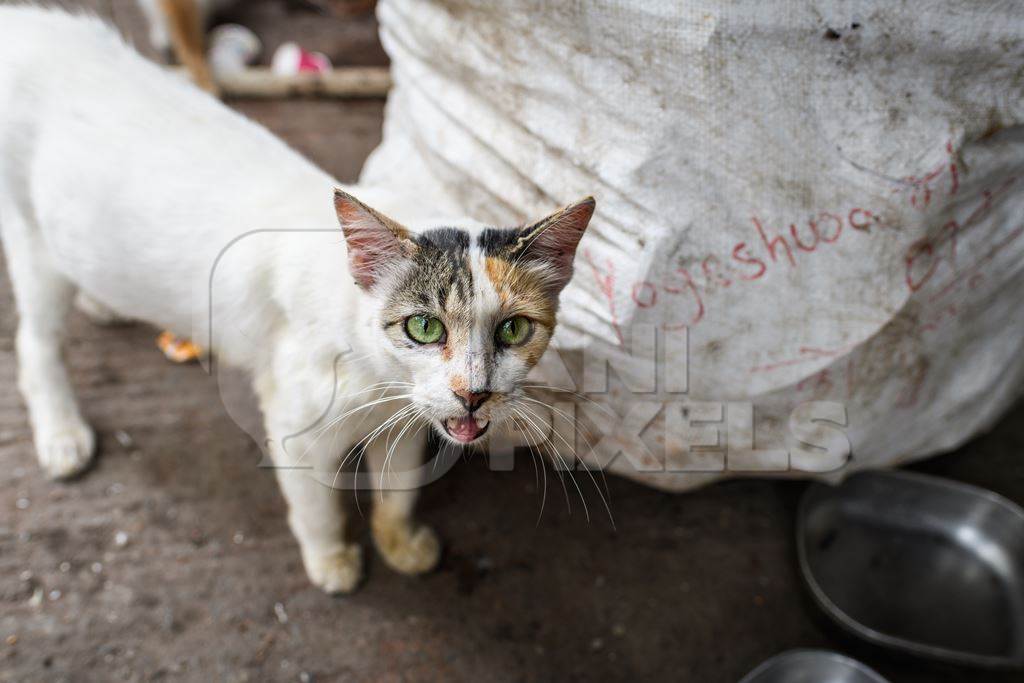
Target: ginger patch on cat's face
{"type": "Point", "coordinates": [520, 288]}
{"type": "Point", "coordinates": [521, 292]}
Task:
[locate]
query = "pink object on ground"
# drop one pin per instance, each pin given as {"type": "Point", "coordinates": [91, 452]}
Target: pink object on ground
{"type": "Point", "coordinates": [291, 58]}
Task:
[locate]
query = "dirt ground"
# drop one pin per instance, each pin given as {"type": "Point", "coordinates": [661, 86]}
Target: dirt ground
{"type": "Point", "coordinates": [171, 559]}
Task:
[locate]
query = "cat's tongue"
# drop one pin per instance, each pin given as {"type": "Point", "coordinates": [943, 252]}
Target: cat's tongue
{"type": "Point", "coordinates": [464, 429]}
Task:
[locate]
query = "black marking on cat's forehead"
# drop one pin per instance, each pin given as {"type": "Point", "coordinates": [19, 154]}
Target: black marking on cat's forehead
{"type": "Point", "coordinates": [443, 263]}
{"type": "Point", "coordinates": [443, 239]}
{"type": "Point", "coordinates": [442, 280]}
{"type": "Point", "coordinates": [493, 242]}
{"type": "Point", "coordinates": [498, 242]}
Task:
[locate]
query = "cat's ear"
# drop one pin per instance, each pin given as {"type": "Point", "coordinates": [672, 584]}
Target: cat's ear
{"type": "Point", "coordinates": [376, 243]}
{"type": "Point", "coordinates": [553, 240]}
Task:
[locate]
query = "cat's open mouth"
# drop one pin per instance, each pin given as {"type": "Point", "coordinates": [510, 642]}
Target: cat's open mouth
{"type": "Point", "coordinates": [467, 428]}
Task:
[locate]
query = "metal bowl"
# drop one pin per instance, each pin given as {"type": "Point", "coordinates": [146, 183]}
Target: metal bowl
{"type": "Point", "coordinates": [918, 563]}
{"type": "Point", "coordinates": [812, 666]}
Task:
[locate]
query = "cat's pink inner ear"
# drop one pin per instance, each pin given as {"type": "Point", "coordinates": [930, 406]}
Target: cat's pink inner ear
{"type": "Point", "coordinates": [554, 239]}
{"type": "Point", "coordinates": [375, 242]}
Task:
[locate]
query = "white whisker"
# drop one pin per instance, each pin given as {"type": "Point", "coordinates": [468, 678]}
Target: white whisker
{"type": "Point", "coordinates": [578, 429]}
{"type": "Point", "coordinates": [534, 457]}
{"type": "Point", "coordinates": [534, 428]}
{"type": "Point", "coordinates": [370, 437]}
{"type": "Point", "coordinates": [590, 474]}
{"type": "Point", "coordinates": [416, 414]}
{"type": "Point", "coordinates": [530, 415]}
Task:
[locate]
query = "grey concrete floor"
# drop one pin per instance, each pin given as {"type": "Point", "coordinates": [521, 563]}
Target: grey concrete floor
{"type": "Point", "coordinates": [171, 559]}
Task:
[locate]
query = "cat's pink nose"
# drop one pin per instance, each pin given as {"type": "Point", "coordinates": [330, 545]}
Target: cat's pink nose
{"type": "Point", "coordinates": [471, 400]}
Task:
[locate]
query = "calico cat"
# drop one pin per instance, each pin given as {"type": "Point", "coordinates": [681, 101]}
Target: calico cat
{"type": "Point", "coordinates": [149, 200]}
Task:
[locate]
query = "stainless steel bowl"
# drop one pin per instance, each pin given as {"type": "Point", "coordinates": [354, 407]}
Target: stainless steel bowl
{"type": "Point", "coordinates": [918, 563]}
{"type": "Point", "coordinates": [812, 666]}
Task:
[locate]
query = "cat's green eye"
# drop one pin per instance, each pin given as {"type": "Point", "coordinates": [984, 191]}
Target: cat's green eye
{"type": "Point", "coordinates": [514, 331]}
{"type": "Point", "coordinates": [424, 329]}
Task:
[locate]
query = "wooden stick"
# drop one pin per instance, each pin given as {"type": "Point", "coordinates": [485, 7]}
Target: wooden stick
{"type": "Point", "coordinates": [340, 82]}
{"type": "Point", "coordinates": [185, 25]}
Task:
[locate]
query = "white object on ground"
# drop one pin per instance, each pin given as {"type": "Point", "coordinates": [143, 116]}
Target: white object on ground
{"type": "Point", "coordinates": [232, 48]}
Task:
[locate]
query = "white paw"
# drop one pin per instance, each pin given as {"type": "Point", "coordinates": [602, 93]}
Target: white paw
{"type": "Point", "coordinates": [406, 548]}
{"type": "Point", "coordinates": [65, 450]}
{"type": "Point", "coordinates": [338, 572]}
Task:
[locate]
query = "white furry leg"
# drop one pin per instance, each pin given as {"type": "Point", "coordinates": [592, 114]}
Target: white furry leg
{"type": "Point", "coordinates": [64, 442]}
{"type": "Point", "coordinates": [406, 546]}
{"type": "Point", "coordinates": [302, 465]}
{"type": "Point", "coordinates": [316, 517]}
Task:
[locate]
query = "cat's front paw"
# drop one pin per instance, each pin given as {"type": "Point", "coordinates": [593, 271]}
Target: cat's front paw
{"type": "Point", "coordinates": [406, 548]}
{"type": "Point", "coordinates": [337, 572]}
{"type": "Point", "coordinates": [66, 449]}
